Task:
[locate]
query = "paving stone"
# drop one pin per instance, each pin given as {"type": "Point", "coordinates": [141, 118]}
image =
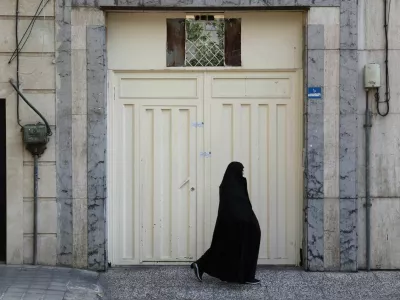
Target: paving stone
{"type": "Point", "coordinates": [33, 297]}
{"type": "Point", "coordinates": [40, 283]}
{"type": "Point", "coordinates": [55, 293]}
{"type": "Point", "coordinates": [54, 297]}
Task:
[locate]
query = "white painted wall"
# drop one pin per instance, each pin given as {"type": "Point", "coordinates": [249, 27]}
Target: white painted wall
{"type": "Point", "coordinates": [270, 40]}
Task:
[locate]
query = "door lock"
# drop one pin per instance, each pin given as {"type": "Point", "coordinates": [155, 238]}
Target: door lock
{"type": "Point", "coordinates": [192, 189]}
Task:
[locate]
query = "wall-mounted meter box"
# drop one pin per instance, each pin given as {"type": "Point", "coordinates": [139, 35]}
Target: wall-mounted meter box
{"type": "Point", "coordinates": [372, 76]}
{"type": "Point", "coordinates": [35, 134]}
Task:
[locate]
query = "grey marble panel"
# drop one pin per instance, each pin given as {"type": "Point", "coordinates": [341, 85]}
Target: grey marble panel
{"type": "Point", "coordinates": [97, 145]}
{"type": "Point", "coordinates": [348, 24]}
{"type": "Point", "coordinates": [348, 135]}
{"type": "Point", "coordinates": [315, 127]}
{"type": "Point", "coordinates": [64, 134]}
{"type": "Point", "coordinates": [348, 156]}
{"type": "Point", "coordinates": [315, 37]}
{"type": "Point", "coordinates": [348, 234]}
{"type": "Point", "coordinates": [348, 76]}
{"type": "Point", "coordinates": [97, 241]}
{"type": "Point", "coordinates": [315, 234]}
{"type": "Point", "coordinates": [315, 162]}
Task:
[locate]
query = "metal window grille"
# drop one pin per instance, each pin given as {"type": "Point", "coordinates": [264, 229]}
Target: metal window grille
{"type": "Point", "coordinates": [204, 43]}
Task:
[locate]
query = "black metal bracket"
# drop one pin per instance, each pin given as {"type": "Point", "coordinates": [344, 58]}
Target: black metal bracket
{"type": "Point", "coordinates": [36, 149]}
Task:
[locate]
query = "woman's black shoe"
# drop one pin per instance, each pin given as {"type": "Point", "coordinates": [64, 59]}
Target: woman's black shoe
{"type": "Point", "coordinates": [253, 281]}
{"type": "Point", "coordinates": [197, 272]}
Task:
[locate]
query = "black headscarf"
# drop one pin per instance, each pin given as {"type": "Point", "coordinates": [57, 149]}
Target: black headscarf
{"type": "Point", "coordinates": [234, 198]}
{"type": "Point", "coordinates": [233, 174]}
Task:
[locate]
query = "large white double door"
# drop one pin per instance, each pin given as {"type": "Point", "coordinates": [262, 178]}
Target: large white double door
{"type": "Point", "coordinates": [172, 135]}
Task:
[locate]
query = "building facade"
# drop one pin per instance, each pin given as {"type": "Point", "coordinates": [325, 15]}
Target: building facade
{"type": "Point", "coordinates": [145, 121]}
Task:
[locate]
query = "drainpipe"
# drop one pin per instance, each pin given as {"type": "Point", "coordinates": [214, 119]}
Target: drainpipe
{"type": "Point", "coordinates": [367, 127]}
{"type": "Point", "coordinates": [35, 207]}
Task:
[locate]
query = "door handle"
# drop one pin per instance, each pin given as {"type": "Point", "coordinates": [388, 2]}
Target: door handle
{"type": "Point", "coordinates": [186, 181]}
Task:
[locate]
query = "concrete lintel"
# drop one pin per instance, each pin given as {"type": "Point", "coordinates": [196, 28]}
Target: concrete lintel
{"type": "Point", "coordinates": [110, 4]}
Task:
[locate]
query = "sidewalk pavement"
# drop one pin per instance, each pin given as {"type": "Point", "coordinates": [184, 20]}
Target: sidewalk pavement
{"type": "Point", "coordinates": [48, 283]}
{"type": "Point", "coordinates": [164, 283]}
{"type": "Point", "coordinates": [283, 284]}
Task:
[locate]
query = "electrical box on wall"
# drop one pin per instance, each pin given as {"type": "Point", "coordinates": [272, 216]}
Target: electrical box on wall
{"type": "Point", "coordinates": [372, 76]}
{"type": "Point", "coordinates": [35, 134]}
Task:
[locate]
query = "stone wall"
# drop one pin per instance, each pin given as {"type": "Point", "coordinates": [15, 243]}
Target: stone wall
{"type": "Point", "coordinates": [81, 89]}
{"type": "Point", "coordinates": [37, 78]}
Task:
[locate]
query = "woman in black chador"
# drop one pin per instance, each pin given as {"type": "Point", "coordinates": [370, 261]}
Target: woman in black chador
{"type": "Point", "coordinates": [233, 254]}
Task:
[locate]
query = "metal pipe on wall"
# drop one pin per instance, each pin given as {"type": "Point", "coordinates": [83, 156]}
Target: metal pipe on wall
{"type": "Point", "coordinates": [367, 127]}
{"type": "Point", "coordinates": [35, 207]}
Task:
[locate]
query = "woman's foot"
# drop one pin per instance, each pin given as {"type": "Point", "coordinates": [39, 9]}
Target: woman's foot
{"type": "Point", "coordinates": [253, 281]}
{"type": "Point", "coordinates": [197, 271]}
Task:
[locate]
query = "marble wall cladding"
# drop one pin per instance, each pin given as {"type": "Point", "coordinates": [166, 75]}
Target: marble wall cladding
{"type": "Point", "coordinates": [81, 18]}
{"type": "Point", "coordinates": [79, 136]}
{"type": "Point", "coordinates": [315, 235]}
{"type": "Point", "coordinates": [330, 18]}
{"type": "Point", "coordinates": [348, 212]}
{"type": "Point", "coordinates": [349, 24]}
{"type": "Point", "coordinates": [348, 134]}
{"type": "Point", "coordinates": [64, 133]}
{"type": "Point", "coordinates": [334, 87]}
{"type": "Point", "coordinates": [331, 234]}
{"type": "Point", "coordinates": [97, 144]}
{"type": "Point", "coordinates": [81, 162]}
{"type": "Point", "coordinates": [315, 150]}
{"type": "Point", "coordinates": [315, 128]}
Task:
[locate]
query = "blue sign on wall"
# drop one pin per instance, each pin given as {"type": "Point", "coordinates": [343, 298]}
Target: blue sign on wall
{"type": "Point", "coordinates": [314, 93]}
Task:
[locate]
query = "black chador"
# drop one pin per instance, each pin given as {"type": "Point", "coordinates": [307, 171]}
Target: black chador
{"type": "Point", "coordinates": [234, 249]}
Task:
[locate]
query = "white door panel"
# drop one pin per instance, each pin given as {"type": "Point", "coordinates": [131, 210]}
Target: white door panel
{"type": "Point", "coordinates": [258, 128]}
{"type": "Point", "coordinates": [168, 183]}
{"type": "Point", "coordinates": [155, 148]}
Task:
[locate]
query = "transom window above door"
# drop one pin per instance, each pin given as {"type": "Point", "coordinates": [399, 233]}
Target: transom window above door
{"type": "Point", "coordinates": [204, 41]}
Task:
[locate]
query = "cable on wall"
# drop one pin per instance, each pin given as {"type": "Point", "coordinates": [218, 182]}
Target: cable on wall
{"type": "Point", "coordinates": [19, 47]}
{"type": "Point", "coordinates": [387, 5]}
{"type": "Point", "coordinates": [49, 132]}
{"type": "Point", "coordinates": [29, 29]}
